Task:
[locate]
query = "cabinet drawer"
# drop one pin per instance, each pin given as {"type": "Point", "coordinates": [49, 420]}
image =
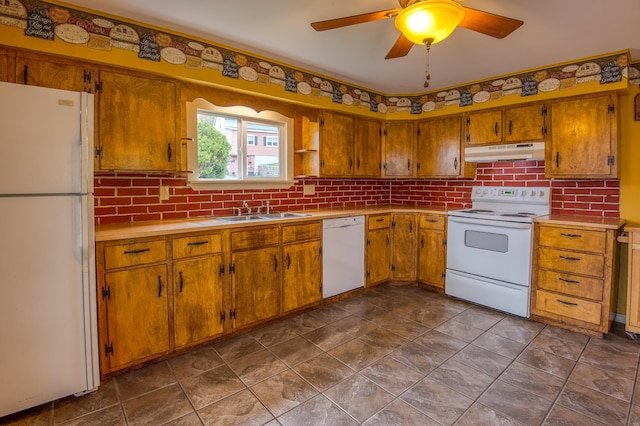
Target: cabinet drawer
{"type": "Point", "coordinates": [571, 262]}
{"type": "Point", "coordinates": [432, 222]}
{"type": "Point", "coordinates": [197, 245]}
{"type": "Point", "coordinates": [307, 231]}
{"type": "Point", "coordinates": [574, 285]}
{"type": "Point", "coordinates": [379, 222]}
{"type": "Point", "coordinates": [573, 239]}
{"type": "Point", "coordinates": [255, 238]}
{"type": "Point", "coordinates": [569, 307]}
{"type": "Point", "coordinates": [121, 256]}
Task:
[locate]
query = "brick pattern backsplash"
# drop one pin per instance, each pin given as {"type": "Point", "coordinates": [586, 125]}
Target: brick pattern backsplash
{"type": "Point", "coordinates": [134, 197]}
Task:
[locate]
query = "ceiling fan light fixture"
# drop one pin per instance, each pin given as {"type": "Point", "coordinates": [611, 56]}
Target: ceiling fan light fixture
{"type": "Point", "coordinates": [429, 19]}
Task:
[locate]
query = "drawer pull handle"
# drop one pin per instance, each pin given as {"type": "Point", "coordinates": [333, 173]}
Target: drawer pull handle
{"type": "Point", "coordinates": [564, 280]}
{"type": "Point", "coordinates": [567, 303]}
{"type": "Point", "coordinates": [571, 235]}
{"type": "Point", "coordinates": [198, 243]}
{"type": "Point", "coordinates": [275, 261]}
{"type": "Point", "coordinates": [380, 220]}
{"type": "Point", "coordinates": [181, 281]}
{"type": "Point", "coordinates": [432, 220]}
{"type": "Point", "coordinates": [571, 259]}
{"type": "Point", "coordinates": [159, 286]}
{"type": "Point", "coordinates": [288, 261]}
{"type": "Point", "coordinates": [137, 251]}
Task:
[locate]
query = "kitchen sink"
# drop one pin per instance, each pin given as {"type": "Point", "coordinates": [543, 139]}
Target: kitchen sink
{"type": "Point", "coordinates": [283, 215]}
{"type": "Point", "coordinates": [243, 218]}
{"type": "Point", "coordinates": [266, 216]}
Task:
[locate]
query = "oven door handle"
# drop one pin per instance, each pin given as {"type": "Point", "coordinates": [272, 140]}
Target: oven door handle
{"type": "Point", "coordinates": [493, 223]}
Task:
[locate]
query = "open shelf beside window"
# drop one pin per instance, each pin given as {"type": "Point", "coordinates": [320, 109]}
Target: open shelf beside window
{"type": "Point", "coordinates": [305, 148]}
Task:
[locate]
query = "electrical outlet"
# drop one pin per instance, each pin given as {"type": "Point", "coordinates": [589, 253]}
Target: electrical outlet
{"type": "Point", "coordinates": [308, 190]}
{"type": "Point", "coordinates": [164, 193]}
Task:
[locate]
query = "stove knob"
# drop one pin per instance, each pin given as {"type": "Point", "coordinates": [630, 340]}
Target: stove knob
{"type": "Point", "coordinates": [541, 194]}
{"type": "Point", "coordinates": [478, 191]}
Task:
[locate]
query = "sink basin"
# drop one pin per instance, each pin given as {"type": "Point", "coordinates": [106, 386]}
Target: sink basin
{"type": "Point", "coordinates": [243, 218]}
{"type": "Point", "coordinates": [282, 215]}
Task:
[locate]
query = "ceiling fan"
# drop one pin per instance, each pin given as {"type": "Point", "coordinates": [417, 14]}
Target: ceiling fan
{"type": "Point", "coordinates": [428, 22]}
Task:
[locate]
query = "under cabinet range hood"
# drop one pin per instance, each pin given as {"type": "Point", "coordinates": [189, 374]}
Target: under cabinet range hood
{"type": "Point", "coordinates": [507, 152]}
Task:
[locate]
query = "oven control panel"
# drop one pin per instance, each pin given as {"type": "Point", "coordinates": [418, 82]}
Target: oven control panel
{"type": "Point", "coordinates": [511, 194]}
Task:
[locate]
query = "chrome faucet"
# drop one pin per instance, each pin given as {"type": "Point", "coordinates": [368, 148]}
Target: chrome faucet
{"type": "Point", "coordinates": [246, 206]}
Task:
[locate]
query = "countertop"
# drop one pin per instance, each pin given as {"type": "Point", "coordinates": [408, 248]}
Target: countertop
{"type": "Point", "coordinates": [122, 231]}
{"type": "Point", "coordinates": [596, 222]}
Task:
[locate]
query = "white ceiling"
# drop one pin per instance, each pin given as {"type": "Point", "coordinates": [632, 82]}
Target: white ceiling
{"type": "Point", "coordinates": [554, 31]}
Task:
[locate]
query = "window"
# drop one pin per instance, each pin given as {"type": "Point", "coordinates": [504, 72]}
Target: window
{"type": "Point", "coordinates": [271, 141]}
{"type": "Point", "coordinates": [238, 147]}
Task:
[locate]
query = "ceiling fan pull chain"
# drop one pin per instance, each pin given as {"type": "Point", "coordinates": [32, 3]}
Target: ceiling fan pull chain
{"type": "Point", "coordinates": [427, 43]}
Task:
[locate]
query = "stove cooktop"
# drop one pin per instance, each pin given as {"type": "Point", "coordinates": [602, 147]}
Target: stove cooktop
{"type": "Point", "coordinates": [509, 204]}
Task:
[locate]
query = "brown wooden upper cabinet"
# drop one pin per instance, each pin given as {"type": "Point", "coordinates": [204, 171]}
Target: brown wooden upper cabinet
{"type": "Point", "coordinates": [440, 149]}
{"type": "Point", "coordinates": [506, 125]}
{"type": "Point", "coordinates": [484, 128]}
{"type": "Point", "coordinates": [399, 149]}
{"type": "Point", "coordinates": [137, 125]}
{"type": "Point", "coordinates": [55, 73]}
{"type": "Point", "coordinates": [584, 138]}
{"type": "Point", "coordinates": [367, 147]}
{"type": "Point", "coordinates": [525, 123]}
{"type": "Point", "coordinates": [336, 144]}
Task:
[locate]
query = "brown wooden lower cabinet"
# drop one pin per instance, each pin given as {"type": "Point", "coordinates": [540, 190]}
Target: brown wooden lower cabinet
{"type": "Point", "coordinates": [573, 276]}
{"type": "Point", "coordinates": [432, 250]}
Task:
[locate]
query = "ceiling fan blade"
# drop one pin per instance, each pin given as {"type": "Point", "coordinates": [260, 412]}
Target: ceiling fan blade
{"type": "Point", "coordinates": [355, 19]}
{"type": "Point", "coordinates": [488, 23]}
{"type": "Point", "coordinates": [401, 47]}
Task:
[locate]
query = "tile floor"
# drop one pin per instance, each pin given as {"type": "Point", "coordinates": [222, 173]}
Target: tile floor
{"type": "Point", "coordinates": [390, 356]}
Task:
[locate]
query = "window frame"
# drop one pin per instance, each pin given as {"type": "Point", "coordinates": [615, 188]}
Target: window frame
{"type": "Point", "coordinates": [285, 148]}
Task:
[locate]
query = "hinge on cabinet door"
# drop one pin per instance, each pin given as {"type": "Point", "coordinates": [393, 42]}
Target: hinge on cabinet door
{"type": "Point", "coordinates": [86, 77]}
{"type": "Point", "coordinates": [98, 87]}
{"type": "Point", "coordinates": [99, 152]}
{"type": "Point", "coordinates": [232, 314]}
{"type": "Point", "coordinates": [544, 130]}
{"type": "Point", "coordinates": [393, 267]}
{"type": "Point", "coordinates": [384, 132]}
{"type": "Point", "coordinates": [611, 109]}
{"type": "Point", "coordinates": [611, 160]}
{"type": "Point", "coordinates": [418, 131]}
{"type": "Point", "coordinates": [444, 243]}
{"type": "Point", "coordinates": [544, 110]}
{"type": "Point", "coordinates": [232, 269]}
{"type": "Point", "coordinates": [320, 251]}
{"type": "Point", "coordinates": [108, 349]}
{"type": "Point", "coordinates": [221, 270]}
{"type": "Point", "coordinates": [106, 292]}
{"type": "Point", "coordinates": [222, 316]}
{"type": "Point", "coordinates": [393, 223]}
{"type": "Point", "coordinates": [368, 242]}
{"type": "Point", "coordinates": [322, 122]}
{"type": "Point", "coordinates": [444, 274]}
{"type": "Point", "coordinates": [368, 274]}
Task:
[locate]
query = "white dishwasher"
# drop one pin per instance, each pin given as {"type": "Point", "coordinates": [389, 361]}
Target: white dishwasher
{"type": "Point", "coordinates": [343, 255]}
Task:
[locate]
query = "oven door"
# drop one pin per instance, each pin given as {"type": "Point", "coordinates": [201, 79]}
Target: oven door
{"type": "Point", "coordinates": [491, 249]}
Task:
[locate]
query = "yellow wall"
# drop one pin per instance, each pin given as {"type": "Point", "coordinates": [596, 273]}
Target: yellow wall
{"type": "Point", "coordinates": [629, 158]}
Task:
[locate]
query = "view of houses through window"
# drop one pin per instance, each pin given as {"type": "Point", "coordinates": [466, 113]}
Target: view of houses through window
{"type": "Point", "coordinates": [237, 148]}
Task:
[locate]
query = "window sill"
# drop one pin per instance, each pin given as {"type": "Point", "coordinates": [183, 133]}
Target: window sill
{"type": "Point", "coordinates": [254, 184]}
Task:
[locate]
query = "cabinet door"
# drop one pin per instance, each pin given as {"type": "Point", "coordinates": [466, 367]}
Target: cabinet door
{"type": "Point", "coordinates": [431, 257]}
{"type": "Point", "coordinates": [439, 147]}
{"type": "Point", "coordinates": [368, 142]}
{"type": "Point", "coordinates": [583, 138]}
{"type": "Point", "coordinates": [484, 127]}
{"type": "Point", "coordinates": [137, 123]}
{"type": "Point", "coordinates": [4, 65]}
{"type": "Point", "coordinates": [399, 149]}
{"type": "Point", "coordinates": [378, 256]}
{"type": "Point", "coordinates": [137, 315]}
{"type": "Point", "coordinates": [256, 282]}
{"type": "Point", "coordinates": [336, 145]}
{"type": "Point", "coordinates": [47, 72]}
{"type": "Point", "coordinates": [197, 296]}
{"type": "Point", "coordinates": [404, 247]}
{"type": "Point", "coordinates": [302, 275]}
{"type": "Point", "coordinates": [525, 124]}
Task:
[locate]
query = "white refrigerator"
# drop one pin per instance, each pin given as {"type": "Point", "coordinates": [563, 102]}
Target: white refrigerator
{"type": "Point", "coordinates": [48, 332]}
